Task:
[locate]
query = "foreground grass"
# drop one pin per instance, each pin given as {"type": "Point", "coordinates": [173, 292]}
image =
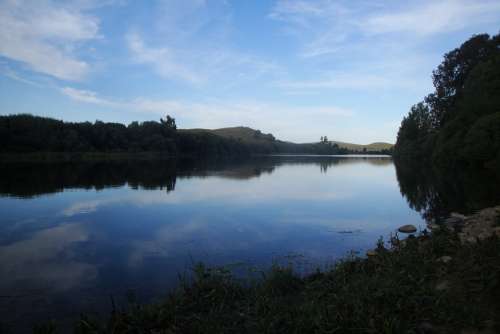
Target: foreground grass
{"type": "Point", "coordinates": [409, 289]}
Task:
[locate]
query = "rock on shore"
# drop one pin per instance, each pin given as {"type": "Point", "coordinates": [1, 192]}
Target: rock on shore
{"type": "Point", "coordinates": [407, 229]}
{"type": "Point", "coordinates": [478, 226]}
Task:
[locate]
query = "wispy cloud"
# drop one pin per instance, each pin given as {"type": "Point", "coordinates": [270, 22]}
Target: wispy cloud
{"type": "Point", "coordinates": [87, 96]}
{"type": "Point", "coordinates": [198, 66]}
{"type": "Point", "coordinates": [216, 113]}
{"type": "Point", "coordinates": [214, 108]}
{"type": "Point", "coordinates": [300, 11]}
{"type": "Point", "coordinates": [162, 59]}
{"type": "Point", "coordinates": [322, 26]}
{"type": "Point", "coordinates": [432, 17]}
{"type": "Point", "coordinates": [44, 36]}
{"type": "Point", "coordinates": [340, 80]}
{"type": "Point", "coordinates": [9, 73]}
{"type": "Point", "coordinates": [181, 55]}
{"type": "Point", "coordinates": [139, 104]}
{"type": "Point", "coordinates": [350, 45]}
{"type": "Point", "coordinates": [328, 26]}
{"type": "Point", "coordinates": [390, 73]}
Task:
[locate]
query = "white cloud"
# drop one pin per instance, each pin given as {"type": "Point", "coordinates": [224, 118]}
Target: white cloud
{"type": "Point", "coordinates": [342, 80]}
{"type": "Point", "coordinates": [214, 108]}
{"type": "Point", "coordinates": [327, 26]}
{"type": "Point", "coordinates": [9, 73]}
{"type": "Point", "coordinates": [299, 11]}
{"type": "Point", "coordinates": [86, 96]}
{"type": "Point", "coordinates": [44, 35]}
{"type": "Point", "coordinates": [189, 42]}
{"type": "Point", "coordinates": [46, 260]}
{"type": "Point", "coordinates": [279, 119]}
{"type": "Point", "coordinates": [138, 104]}
{"type": "Point", "coordinates": [322, 26]}
{"type": "Point", "coordinates": [433, 17]}
{"type": "Point", "coordinates": [370, 68]}
{"type": "Point", "coordinates": [198, 65]}
{"type": "Point", "coordinates": [161, 58]}
{"type": "Point", "coordinates": [348, 45]}
{"type": "Point", "coordinates": [418, 17]}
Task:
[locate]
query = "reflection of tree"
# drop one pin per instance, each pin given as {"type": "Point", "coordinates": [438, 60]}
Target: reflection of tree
{"type": "Point", "coordinates": [32, 179]}
{"type": "Point", "coordinates": [232, 168]}
{"type": "Point", "coordinates": [435, 192]}
{"type": "Point", "coordinates": [327, 162]}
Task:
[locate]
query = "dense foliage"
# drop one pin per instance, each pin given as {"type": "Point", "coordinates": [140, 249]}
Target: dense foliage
{"type": "Point", "coordinates": [28, 134]}
{"type": "Point", "coordinates": [460, 121]}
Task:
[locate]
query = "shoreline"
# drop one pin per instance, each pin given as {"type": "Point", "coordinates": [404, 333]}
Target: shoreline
{"type": "Point", "coordinates": [444, 281]}
{"type": "Point", "coordinates": [150, 155]}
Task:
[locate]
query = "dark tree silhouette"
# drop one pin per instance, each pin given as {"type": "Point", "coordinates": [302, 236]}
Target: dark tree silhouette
{"type": "Point", "coordinates": [27, 133]}
{"type": "Point", "coordinates": [460, 121]}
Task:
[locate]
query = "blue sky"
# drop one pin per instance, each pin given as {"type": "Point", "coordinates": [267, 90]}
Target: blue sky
{"type": "Point", "coordinates": [299, 69]}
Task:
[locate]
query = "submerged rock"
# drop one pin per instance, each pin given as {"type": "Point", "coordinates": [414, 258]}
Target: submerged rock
{"type": "Point", "coordinates": [407, 229]}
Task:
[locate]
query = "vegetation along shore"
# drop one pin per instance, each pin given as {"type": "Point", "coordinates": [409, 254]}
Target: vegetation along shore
{"type": "Point", "coordinates": [28, 137]}
{"type": "Point", "coordinates": [444, 279]}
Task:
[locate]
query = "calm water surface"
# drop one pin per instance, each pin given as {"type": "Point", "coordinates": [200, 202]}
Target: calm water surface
{"type": "Point", "coordinates": [74, 234]}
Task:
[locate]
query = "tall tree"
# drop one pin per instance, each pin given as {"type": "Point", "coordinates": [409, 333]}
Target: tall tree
{"type": "Point", "coordinates": [450, 76]}
{"type": "Point", "coordinates": [169, 122]}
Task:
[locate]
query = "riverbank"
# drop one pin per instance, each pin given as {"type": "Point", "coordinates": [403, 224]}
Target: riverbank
{"type": "Point", "coordinates": [447, 281]}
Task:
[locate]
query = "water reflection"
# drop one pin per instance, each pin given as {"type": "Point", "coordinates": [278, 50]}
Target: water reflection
{"type": "Point", "coordinates": [31, 179]}
{"type": "Point", "coordinates": [45, 260]}
{"type": "Point", "coordinates": [27, 180]}
{"type": "Point", "coordinates": [435, 192]}
{"type": "Point", "coordinates": [73, 234]}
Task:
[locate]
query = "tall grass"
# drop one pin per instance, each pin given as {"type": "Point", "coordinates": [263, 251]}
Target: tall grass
{"type": "Point", "coordinates": [405, 288]}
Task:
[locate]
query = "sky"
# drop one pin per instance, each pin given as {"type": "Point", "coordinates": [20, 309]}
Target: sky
{"type": "Point", "coordinates": [299, 69]}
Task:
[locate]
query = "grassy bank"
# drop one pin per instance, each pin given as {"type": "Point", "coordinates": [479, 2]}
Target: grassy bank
{"type": "Point", "coordinates": [425, 284]}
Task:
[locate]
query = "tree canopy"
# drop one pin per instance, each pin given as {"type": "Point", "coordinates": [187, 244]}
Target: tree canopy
{"type": "Point", "coordinates": [27, 133]}
{"type": "Point", "coordinates": [460, 121]}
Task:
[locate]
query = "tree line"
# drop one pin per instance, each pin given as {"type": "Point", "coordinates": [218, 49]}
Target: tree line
{"type": "Point", "coordinates": [24, 133]}
{"type": "Point", "coordinates": [458, 123]}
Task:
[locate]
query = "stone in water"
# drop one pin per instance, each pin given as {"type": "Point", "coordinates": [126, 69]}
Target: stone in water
{"type": "Point", "coordinates": [407, 229]}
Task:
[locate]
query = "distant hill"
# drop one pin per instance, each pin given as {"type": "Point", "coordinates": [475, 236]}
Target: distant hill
{"type": "Point", "coordinates": [377, 146]}
{"type": "Point", "coordinates": [251, 136]}
{"type": "Point", "coordinates": [243, 133]}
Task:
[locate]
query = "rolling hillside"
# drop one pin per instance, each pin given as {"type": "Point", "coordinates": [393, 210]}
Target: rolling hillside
{"type": "Point", "coordinates": [243, 133]}
{"type": "Point", "coordinates": [251, 136]}
{"type": "Point", "coordinates": [377, 146]}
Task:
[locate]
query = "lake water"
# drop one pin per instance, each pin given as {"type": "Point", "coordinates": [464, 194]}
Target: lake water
{"type": "Point", "coordinates": [74, 234]}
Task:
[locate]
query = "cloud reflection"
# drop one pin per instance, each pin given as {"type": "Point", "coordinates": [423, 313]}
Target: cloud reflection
{"type": "Point", "coordinates": [45, 261]}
